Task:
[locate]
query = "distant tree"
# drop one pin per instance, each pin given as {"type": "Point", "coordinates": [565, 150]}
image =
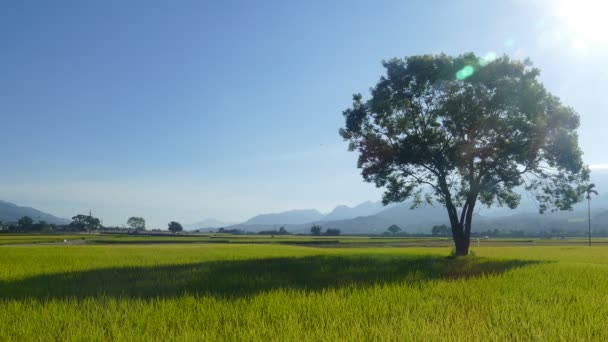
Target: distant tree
{"type": "Point", "coordinates": [86, 222]}
{"type": "Point", "coordinates": [315, 229]}
{"type": "Point", "coordinates": [589, 190]}
{"type": "Point", "coordinates": [41, 226]}
{"type": "Point", "coordinates": [441, 230]}
{"type": "Point", "coordinates": [394, 229]}
{"type": "Point", "coordinates": [283, 231]}
{"type": "Point", "coordinates": [235, 231]}
{"type": "Point", "coordinates": [25, 223]}
{"type": "Point", "coordinates": [463, 131]}
{"type": "Point", "coordinates": [175, 227]}
{"type": "Point", "coordinates": [332, 232]}
{"type": "Point", "coordinates": [137, 223]}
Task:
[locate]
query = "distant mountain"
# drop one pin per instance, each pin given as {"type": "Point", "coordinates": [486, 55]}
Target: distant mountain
{"type": "Point", "coordinates": [371, 217]}
{"type": "Point", "coordinates": [307, 216]}
{"type": "Point", "coordinates": [10, 212]}
{"type": "Point", "coordinates": [534, 222]}
{"type": "Point", "coordinates": [343, 212]}
{"type": "Point", "coordinates": [287, 217]}
{"type": "Point", "coordinates": [206, 224]}
{"type": "Point", "coordinates": [600, 220]}
{"type": "Point", "coordinates": [421, 220]}
{"type": "Point", "coordinates": [413, 221]}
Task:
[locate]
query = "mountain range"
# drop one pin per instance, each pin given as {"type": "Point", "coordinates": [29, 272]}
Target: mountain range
{"type": "Point", "coordinates": [10, 212]}
{"type": "Point", "coordinates": [206, 224]}
{"type": "Point", "coordinates": [422, 219]}
{"type": "Point", "coordinates": [372, 217]}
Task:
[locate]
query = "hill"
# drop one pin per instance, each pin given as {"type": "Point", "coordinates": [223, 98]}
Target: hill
{"type": "Point", "coordinates": [207, 224]}
{"type": "Point", "coordinates": [287, 217]}
{"type": "Point", "coordinates": [343, 212]}
{"type": "Point", "coordinates": [10, 212]}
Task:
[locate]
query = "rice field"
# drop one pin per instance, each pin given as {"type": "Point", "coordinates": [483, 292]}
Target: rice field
{"type": "Point", "coordinates": [16, 239]}
{"type": "Point", "coordinates": [277, 292]}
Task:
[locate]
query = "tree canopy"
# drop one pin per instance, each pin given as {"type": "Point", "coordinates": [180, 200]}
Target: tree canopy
{"type": "Point", "coordinates": [175, 227]}
{"type": "Point", "coordinates": [85, 222]}
{"type": "Point", "coordinates": [25, 223]}
{"type": "Point", "coordinates": [315, 229]}
{"type": "Point", "coordinates": [393, 229]}
{"type": "Point", "coordinates": [462, 130]}
{"type": "Point", "coordinates": [440, 230]}
{"type": "Point", "coordinates": [137, 223]}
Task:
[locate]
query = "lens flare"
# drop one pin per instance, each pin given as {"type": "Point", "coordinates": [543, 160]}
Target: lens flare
{"type": "Point", "coordinates": [465, 72]}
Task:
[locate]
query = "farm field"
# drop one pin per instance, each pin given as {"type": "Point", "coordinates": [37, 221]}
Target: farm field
{"type": "Point", "coordinates": [15, 239]}
{"type": "Point", "coordinates": [331, 241]}
{"type": "Point", "coordinates": [266, 292]}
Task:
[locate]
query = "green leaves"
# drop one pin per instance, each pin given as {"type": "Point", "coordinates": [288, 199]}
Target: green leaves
{"type": "Point", "coordinates": [465, 129]}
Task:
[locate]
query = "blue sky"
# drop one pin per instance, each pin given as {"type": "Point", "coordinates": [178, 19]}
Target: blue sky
{"type": "Point", "coordinates": [184, 110]}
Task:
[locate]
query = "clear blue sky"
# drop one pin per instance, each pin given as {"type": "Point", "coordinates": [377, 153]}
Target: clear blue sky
{"type": "Point", "coordinates": [184, 110]}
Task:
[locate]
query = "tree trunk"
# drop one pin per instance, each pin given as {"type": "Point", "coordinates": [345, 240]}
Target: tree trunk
{"type": "Point", "coordinates": [461, 229]}
{"type": "Point", "coordinates": [462, 245]}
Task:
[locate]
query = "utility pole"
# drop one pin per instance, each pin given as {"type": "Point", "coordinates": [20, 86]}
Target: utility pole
{"type": "Point", "coordinates": [589, 217]}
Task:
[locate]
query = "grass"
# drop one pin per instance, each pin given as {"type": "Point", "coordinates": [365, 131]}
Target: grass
{"type": "Point", "coordinates": [265, 292]}
{"type": "Point", "coordinates": [15, 239]}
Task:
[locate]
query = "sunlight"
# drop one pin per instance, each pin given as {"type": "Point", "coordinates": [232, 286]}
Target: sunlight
{"type": "Point", "coordinates": [598, 166]}
{"type": "Point", "coordinates": [584, 21]}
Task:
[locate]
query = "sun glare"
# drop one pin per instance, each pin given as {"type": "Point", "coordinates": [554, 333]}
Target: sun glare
{"type": "Point", "coordinates": [584, 20]}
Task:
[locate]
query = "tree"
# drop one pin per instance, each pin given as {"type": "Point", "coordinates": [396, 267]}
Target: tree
{"type": "Point", "coordinates": [394, 229]}
{"type": "Point", "coordinates": [175, 227]}
{"type": "Point", "coordinates": [283, 231]}
{"type": "Point", "coordinates": [137, 223]}
{"type": "Point", "coordinates": [462, 130]}
{"type": "Point", "coordinates": [589, 190]}
{"type": "Point", "coordinates": [441, 230]}
{"type": "Point", "coordinates": [41, 226]}
{"type": "Point", "coordinates": [332, 232]}
{"type": "Point", "coordinates": [86, 222]}
{"type": "Point", "coordinates": [315, 229]}
{"type": "Point", "coordinates": [25, 223]}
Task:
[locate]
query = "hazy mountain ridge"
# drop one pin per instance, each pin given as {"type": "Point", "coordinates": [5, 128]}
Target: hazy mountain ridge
{"type": "Point", "coordinates": [10, 212]}
{"type": "Point", "coordinates": [342, 212]}
{"type": "Point", "coordinates": [374, 218]}
{"type": "Point", "coordinates": [422, 219]}
{"type": "Point", "coordinates": [298, 216]}
{"type": "Point", "coordinates": [207, 224]}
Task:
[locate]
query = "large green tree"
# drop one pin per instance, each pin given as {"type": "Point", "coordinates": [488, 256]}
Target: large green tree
{"type": "Point", "coordinates": [86, 222]}
{"type": "Point", "coordinates": [25, 223]}
{"type": "Point", "coordinates": [464, 131]}
{"type": "Point", "coordinates": [175, 227]}
{"type": "Point", "coordinates": [137, 223]}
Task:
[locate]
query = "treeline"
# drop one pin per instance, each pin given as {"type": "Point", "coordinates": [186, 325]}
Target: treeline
{"type": "Point", "coordinates": [27, 224]}
{"type": "Point", "coordinates": [81, 223]}
{"type": "Point", "coordinates": [443, 230]}
{"type": "Point", "coordinates": [318, 231]}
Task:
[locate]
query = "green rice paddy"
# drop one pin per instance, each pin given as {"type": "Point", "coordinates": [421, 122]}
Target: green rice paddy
{"type": "Point", "coordinates": [282, 292]}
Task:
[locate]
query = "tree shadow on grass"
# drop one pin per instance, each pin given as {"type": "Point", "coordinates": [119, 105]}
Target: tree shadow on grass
{"type": "Point", "coordinates": [241, 278]}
